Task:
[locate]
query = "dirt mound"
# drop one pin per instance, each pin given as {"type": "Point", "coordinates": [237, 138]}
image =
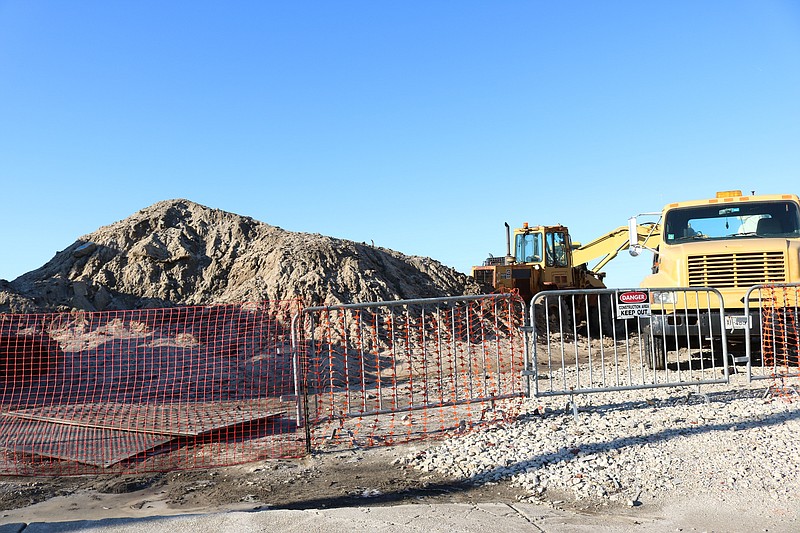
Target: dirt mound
{"type": "Point", "coordinates": [179, 252]}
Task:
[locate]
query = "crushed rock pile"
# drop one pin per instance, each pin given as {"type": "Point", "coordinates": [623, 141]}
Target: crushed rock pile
{"type": "Point", "coordinates": [177, 252]}
{"type": "Point", "coordinates": [637, 446]}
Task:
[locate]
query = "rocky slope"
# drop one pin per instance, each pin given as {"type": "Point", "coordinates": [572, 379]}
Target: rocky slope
{"type": "Point", "coordinates": [180, 252]}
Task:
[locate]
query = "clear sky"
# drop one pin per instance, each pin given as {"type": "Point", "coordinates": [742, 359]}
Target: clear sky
{"type": "Point", "coordinates": [420, 125]}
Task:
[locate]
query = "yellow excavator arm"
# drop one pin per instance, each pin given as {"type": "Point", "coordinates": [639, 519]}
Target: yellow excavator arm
{"type": "Point", "coordinates": [606, 247]}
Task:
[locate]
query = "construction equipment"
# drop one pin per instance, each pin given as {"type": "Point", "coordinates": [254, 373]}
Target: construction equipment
{"type": "Point", "coordinates": [546, 258]}
{"type": "Point", "coordinates": [729, 243]}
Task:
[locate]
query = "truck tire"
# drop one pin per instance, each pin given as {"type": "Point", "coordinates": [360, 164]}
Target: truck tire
{"type": "Point", "coordinates": [654, 354]}
{"type": "Point", "coordinates": [601, 317]}
{"type": "Point", "coordinates": [555, 318]}
{"type": "Point", "coordinates": [565, 312]}
{"type": "Point", "coordinates": [607, 314]}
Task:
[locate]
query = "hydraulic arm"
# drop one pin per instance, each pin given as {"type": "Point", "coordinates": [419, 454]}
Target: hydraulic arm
{"type": "Point", "coordinates": [607, 247]}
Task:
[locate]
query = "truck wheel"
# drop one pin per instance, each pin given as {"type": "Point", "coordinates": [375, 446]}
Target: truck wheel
{"type": "Point", "coordinates": [602, 314]}
{"type": "Point", "coordinates": [654, 354]}
{"type": "Point", "coordinates": [566, 317]}
{"type": "Point", "coordinates": [607, 314]}
{"type": "Point", "coordinates": [558, 315]}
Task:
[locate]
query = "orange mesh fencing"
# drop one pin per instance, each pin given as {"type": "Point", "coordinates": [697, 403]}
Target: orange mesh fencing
{"type": "Point", "coordinates": [147, 390]}
{"type": "Point", "coordinates": [398, 371]}
{"type": "Point", "coordinates": [207, 386]}
{"type": "Point", "coordinates": [780, 339]}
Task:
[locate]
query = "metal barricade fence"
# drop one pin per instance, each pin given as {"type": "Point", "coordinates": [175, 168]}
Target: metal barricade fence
{"type": "Point", "coordinates": [390, 372]}
{"type": "Point", "coordinates": [599, 340]}
{"type": "Point", "coordinates": [203, 386]}
{"type": "Point", "coordinates": [773, 322]}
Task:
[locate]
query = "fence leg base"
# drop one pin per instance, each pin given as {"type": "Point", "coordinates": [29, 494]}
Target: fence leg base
{"type": "Point", "coordinates": [573, 406]}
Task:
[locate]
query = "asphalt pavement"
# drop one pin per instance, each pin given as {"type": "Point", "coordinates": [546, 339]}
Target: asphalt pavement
{"type": "Point", "coordinates": [434, 518]}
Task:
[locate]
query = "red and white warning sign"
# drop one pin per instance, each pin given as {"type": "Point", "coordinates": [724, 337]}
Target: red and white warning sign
{"type": "Point", "coordinates": [631, 304]}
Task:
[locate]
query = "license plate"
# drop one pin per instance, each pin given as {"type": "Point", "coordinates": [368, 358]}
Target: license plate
{"type": "Point", "coordinates": [738, 322]}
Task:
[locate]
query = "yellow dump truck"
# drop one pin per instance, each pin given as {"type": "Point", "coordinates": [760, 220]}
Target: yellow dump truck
{"type": "Point", "coordinates": [729, 243]}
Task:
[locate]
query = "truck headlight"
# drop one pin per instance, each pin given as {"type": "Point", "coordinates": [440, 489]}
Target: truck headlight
{"type": "Point", "coordinates": [664, 297]}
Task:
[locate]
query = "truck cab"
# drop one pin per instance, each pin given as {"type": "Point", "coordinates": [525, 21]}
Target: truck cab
{"type": "Point", "coordinates": [729, 243]}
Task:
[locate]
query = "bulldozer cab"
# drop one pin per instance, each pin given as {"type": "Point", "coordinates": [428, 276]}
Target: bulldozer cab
{"type": "Point", "coordinates": [541, 259]}
{"type": "Point", "coordinates": [544, 245]}
{"type": "Point", "coordinates": [543, 255]}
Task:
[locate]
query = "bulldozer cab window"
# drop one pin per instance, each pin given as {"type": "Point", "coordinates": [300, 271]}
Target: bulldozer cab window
{"type": "Point", "coordinates": [732, 221]}
{"type": "Point", "coordinates": [529, 248]}
{"type": "Point", "coordinates": [556, 249]}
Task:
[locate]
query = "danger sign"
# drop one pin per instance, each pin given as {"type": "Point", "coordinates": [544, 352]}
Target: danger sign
{"type": "Point", "coordinates": [632, 304]}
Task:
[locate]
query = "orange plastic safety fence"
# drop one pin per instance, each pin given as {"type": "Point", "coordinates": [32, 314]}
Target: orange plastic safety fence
{"type": "Point", "coordinates": [147, 390]}
{"type": "Point", "coordinates": [396, 372]}
{"type": "Point", "coordinates": [780, 346]}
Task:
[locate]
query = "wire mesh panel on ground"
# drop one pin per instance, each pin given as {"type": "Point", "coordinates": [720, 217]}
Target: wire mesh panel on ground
{"type": "Point", "coordinates": [775, 354]}
{"type": "Point", "coordinates": [390, 372]}
{"type": "Point", "coordinates": [147, 390]}
{"type": "Point", "coordinates": [598, 340]}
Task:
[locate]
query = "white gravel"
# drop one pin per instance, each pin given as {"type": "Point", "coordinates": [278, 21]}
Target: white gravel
{"type": "Point", "coordinates": [735, 442]}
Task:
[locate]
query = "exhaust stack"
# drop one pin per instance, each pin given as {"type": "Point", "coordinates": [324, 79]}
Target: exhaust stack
{"type": "Point", "coordinates": [509, 257]}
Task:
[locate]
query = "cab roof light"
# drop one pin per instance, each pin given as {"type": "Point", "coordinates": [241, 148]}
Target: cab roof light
{"type": "Point", "coordinates": [728, 194]}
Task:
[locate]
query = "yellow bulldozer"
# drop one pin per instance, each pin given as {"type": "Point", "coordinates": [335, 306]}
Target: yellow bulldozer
{"type": "Point", "coordinates": [545, 258]}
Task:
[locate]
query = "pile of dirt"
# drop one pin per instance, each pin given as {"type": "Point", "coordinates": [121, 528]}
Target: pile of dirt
{"type": "Point", "coordinates": [177, 252]}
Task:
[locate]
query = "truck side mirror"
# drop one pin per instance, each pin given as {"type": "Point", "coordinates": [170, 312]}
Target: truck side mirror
{"type": "Point", "coordinates": [634, 248]}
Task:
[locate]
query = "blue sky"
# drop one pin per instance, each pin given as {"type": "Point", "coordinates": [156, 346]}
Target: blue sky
{"type": "Point", "coordinates": [420, 125]}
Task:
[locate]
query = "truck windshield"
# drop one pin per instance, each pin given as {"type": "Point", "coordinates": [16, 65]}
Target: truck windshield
{"type": "Point", "coordinates": [529, 248]}
{"type": "Point", "coordinates": [732, 221]}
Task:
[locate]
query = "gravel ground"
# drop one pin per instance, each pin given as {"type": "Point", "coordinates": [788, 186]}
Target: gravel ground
{"type": "Point", "coordinates": [723, 458]}
{"type": "Point", "coordinates": [730, 443]}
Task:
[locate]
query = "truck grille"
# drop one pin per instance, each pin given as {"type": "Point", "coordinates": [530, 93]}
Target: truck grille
{"type": "Point", "coordinates": [736, 269]}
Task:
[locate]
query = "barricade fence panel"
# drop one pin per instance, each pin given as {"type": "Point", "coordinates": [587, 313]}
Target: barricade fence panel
{"type": "Point", "coordinates": [773, 345]}
{"type": "Point", "coordinates": [393, 372]}
{"type": "Point", "coordinates": [147, 390]}
{"type": "Point", "coordinates": [596, 340]}
{"type": "Point", "coordinates": [205, 386]}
